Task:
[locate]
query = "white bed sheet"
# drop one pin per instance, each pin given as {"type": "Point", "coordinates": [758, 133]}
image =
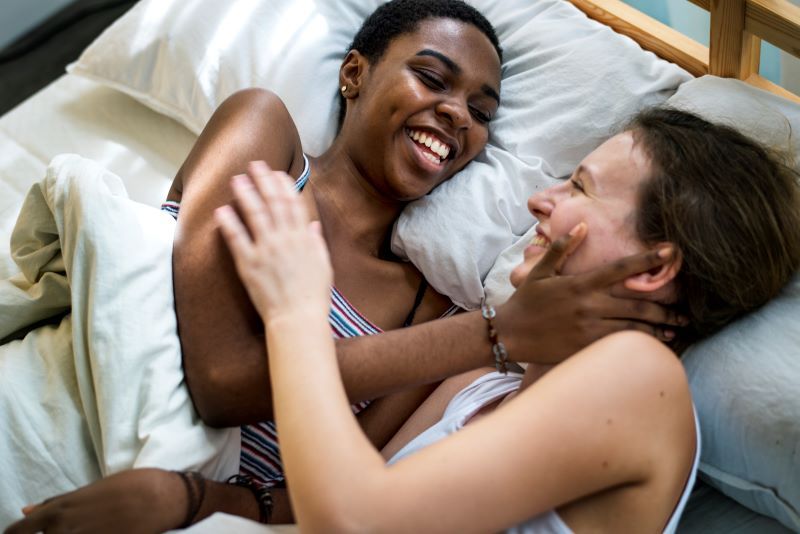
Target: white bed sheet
{"type": "Point", "coordinates": [76, 115]}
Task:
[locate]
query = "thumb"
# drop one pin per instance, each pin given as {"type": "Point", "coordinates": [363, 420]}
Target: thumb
{"type": "Point", "coordinates": [558, 252]}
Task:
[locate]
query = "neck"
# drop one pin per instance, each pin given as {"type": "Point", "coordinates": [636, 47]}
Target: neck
{"type": "Point", "coordinates": [350, 208]}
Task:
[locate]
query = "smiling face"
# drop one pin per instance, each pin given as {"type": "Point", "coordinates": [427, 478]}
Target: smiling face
{"type": "Point", "coordinates": [422, 112]}
{"type": "Point", "coordinates": [603, 193]}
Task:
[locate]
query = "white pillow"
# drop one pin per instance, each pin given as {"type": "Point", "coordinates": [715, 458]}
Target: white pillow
{"type": "Point", "coordinates": [746, 379]}
{"type": "Point", "coordinates": [567, 81]}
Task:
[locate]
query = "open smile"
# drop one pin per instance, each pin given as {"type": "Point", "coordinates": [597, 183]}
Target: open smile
{"type": "Point", "coordinates": [429, 146]}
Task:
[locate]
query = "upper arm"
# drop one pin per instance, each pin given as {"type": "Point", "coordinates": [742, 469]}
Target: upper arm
{"type": "Point", "coordinates": [430, 411]}
{"type": "Point", "coordinates": [600, 420]}
{"type": "Point", "coordinates": [220, 331]}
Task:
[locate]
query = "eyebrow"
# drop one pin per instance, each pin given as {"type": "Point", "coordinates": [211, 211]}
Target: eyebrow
{"type": "Point", "coordinates": [453, 66]}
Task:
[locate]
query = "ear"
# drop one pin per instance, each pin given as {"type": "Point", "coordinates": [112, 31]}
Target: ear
{"type": "Point", "coordinates": [352, 73]}
{"type": "Point", "coordinates": [658, 277]}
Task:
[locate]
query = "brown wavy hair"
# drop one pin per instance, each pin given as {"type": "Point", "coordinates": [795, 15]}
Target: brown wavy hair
{"type": "Point", "coordinates": [731, 208]}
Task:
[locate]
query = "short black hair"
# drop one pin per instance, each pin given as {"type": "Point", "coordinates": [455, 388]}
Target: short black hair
{"type": "Point", "coordinates": [399, 17]}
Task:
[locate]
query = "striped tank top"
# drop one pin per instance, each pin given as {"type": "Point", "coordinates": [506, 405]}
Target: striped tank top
{"type": "Point", "coordinates": [260, 457]}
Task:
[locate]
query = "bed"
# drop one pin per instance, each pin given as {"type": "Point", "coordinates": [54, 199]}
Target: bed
{"type": "Point", "coordinates": [136, 99]}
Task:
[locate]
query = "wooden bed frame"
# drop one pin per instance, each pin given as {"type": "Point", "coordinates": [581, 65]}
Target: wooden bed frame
{"type": "Point", "coordinates": [737, 29]}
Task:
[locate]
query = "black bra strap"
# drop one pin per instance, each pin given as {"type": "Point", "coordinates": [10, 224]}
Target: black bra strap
{"type": "Point", "coordinates": [423, 286]}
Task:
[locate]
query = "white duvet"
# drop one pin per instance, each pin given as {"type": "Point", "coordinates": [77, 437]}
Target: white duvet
{"type": "Point", "coordinates": [99, 389]}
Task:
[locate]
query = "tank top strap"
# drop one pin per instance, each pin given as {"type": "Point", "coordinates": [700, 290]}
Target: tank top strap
{"type": "Point", "coordinates": [301, 181]}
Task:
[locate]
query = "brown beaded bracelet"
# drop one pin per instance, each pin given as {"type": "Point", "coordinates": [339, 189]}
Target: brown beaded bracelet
{"type": "Point", "coordinates": [261, 492]}
{"type": "Point", "coordinates": [498, 349]}
{"type": "Point", "coordinates": [195, 491]}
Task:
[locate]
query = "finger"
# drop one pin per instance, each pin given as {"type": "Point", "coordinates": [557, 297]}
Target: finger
{"type": "Point", "coordinates": [233, 232]}
{"type": "Point", "coordinates": [37, 521]}
{"type": "Point", "coordinates": [274, 195]}
{"type": "Point", "coordinates": [641, 310]}
{"type": "Point", "coordinates": [620, 325]}
{"type": "Point", "coordinates": [558, 252]}
{"type": "Point", "coordinates": [629, 266]}
{"type": "Point", "coordinates": [298, 210]}
{"type": "Point", "coordinates": [316, 230]}
{"type": "Point", "coordinates": [28, 510]}
{"type": "Point", "coordinates": [251, 205]}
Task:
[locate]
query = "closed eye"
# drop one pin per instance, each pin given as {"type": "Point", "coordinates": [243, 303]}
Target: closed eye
{"type": "Point", "coordinates": [431, 80]}
{"type": "Point", "coordinates": [479, 115]}
{"type": "Point", "coordinates": [577, 185]}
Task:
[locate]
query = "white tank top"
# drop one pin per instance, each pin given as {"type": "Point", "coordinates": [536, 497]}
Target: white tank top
{"type": "Point", "coordinates": [487, 389]}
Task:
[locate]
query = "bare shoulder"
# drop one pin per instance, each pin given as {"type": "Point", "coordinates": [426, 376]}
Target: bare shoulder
{"type": "Point", "coordinates": [627, 367]}
{"type": "Point", "coordinates": [260, 113]}
{"type": "Point", "coordinates": [629, 381]}
{"type": "Point", "coordinates": [250, 125]}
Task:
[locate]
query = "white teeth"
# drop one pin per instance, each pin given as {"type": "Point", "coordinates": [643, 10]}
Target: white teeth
{"type": "Point", "coordinates": [540, 241]}
{"type": "Point", "coordinates": [431, 157]}
{"type": "Point", "coordinates": [436, 146]}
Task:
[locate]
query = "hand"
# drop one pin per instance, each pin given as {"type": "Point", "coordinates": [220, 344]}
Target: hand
{"type": "Point", "coordinates": [136, 501]}
{"type": "Point", "coordinates": [279, 254]}
{"type": "Point", "coordinates": [550, 316]}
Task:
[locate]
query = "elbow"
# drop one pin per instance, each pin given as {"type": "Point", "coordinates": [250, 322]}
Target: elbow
{"type": "Point", "coordinates": [221, 401]}
{"type": "Point", "coordinates": [345, 509]}
{"type": "Point", "coordinates": [206, 403]}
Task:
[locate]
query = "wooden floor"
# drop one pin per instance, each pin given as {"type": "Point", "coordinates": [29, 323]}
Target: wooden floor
{"type": "Point", "coordinates": [50, 49]}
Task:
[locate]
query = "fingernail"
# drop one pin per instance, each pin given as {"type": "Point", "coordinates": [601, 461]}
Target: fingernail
{"type": "Point", "coordinates": [665, 253]}
{"type": "Point", "coordinates": [578, 228]}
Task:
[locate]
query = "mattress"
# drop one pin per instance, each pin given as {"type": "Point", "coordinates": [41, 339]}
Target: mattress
{"type": "Point", "coordinates": [74, 115]}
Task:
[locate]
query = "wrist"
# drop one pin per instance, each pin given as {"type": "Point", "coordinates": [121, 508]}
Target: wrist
{"type": "Point", "coordinates": [503, 323]}
{"type": "Point", "coordinates": [279, 320]}
{"type": "Point", "coordinates": [499, 351]}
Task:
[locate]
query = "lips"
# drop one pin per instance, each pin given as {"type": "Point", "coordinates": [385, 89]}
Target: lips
{"type": "Point", "coordinates": [540, 239]}
{"type": "Point", "coordinates": [433, 147]}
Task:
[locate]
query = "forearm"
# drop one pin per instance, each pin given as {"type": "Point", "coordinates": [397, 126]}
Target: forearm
{"type": "Point", "coordinates": [325, 453]}
{"type": "Point", "coordinates": [378, 365]}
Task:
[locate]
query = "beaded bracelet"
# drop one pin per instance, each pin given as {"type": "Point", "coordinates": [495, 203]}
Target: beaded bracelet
{"type": "Point", "coordinates": [260, 491]}
{"type": "Point", "coordinates": [195, 491]}
{"type": "Point", "coordinates": [498, 349]}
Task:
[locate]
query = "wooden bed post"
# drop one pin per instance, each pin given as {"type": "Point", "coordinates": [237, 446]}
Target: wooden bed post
{"type": "Point", "coordinates": [737, 28]}
{"type": "Point", "coordinates": [735, 53]}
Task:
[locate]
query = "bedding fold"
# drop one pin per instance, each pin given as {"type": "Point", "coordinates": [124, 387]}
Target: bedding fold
{"type": "Point", "coordinates": [101, 389]}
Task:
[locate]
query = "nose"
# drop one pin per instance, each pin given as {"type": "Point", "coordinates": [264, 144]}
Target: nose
{"type": "Point", "coordinates": [541, 204]}
{"type": "Point", "coordinates": [456, 111]}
